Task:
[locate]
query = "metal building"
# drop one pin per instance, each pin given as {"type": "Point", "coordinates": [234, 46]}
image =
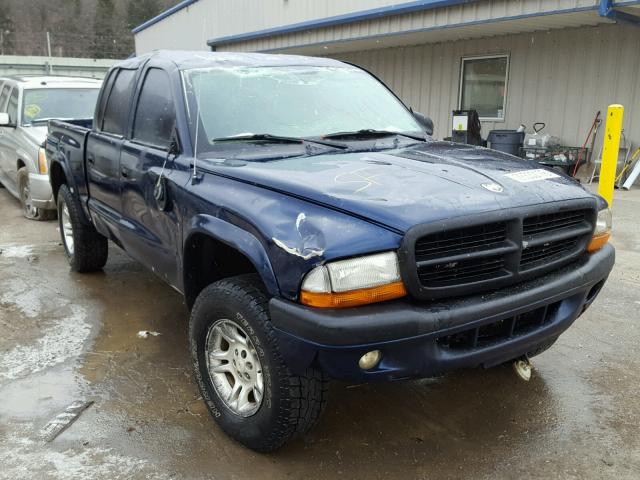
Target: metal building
{"type": "Point", "coordinates": [515, 61]}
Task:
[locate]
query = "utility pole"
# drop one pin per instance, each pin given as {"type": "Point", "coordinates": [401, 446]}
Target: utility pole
{"type": "Point", "coordinates": [49, 53]}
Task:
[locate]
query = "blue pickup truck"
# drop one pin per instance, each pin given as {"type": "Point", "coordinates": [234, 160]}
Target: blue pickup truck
{"type": "Point", "coordinates": [317, 230]}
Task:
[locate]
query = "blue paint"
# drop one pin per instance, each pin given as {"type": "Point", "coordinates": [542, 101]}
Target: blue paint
{"type": "Point", "coordinates": [269, 209]}
{"type": "Point", "coordinates": [400, 9]}
{"type": "Point", "coordinates": [163, 15]}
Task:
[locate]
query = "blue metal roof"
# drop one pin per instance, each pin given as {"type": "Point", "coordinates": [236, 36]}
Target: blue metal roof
{"type": "Point", "coordinates": [163, 15]}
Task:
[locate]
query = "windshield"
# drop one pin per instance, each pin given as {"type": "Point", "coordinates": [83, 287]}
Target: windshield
{"type": "Point", "coordinates": [63, 103]}
{"type": "Point", "coordinates": [290, 101]}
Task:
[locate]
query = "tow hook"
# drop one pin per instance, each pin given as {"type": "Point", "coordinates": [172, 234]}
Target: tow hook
{"type": "Point", "coordinates": [523, 368]}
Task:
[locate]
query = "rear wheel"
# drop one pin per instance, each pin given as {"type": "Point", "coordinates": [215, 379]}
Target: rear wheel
{"type": "Point", "coordinates": [29, 210]}
{"type": "Point", "coordinates": [244, 381]}
{"type": "Point", "coordinates": [85, 248]}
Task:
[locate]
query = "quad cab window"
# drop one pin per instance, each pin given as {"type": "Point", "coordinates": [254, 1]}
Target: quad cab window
{"type": "Point", "coordinates": [156, 114]}
{"type": "Point", "coordinates": [116, 110]}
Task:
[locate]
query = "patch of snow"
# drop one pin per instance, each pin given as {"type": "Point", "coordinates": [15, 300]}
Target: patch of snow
{"type": "Point", "coordinates": [16, 251]}
{"type": "Point", "coordinates": [62, 341]}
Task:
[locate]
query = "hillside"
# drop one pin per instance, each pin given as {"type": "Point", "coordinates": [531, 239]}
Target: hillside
{"type": "Point", "coordinates": [77, 28]}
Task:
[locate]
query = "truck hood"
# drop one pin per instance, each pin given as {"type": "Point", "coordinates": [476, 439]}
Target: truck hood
{"type": "Point", "coordinates": [37, 135]}
{"type": "Point", "coordinates": [406, 187]}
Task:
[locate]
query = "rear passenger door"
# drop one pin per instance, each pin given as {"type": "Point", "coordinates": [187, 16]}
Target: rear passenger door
{"type": "Point", "coordinates": [149, 231]}
{"type": "Point", "coordinates": [103, 148]}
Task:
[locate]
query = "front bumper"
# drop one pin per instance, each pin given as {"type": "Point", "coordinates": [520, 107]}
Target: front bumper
{"type": "Point", "coordinates": [414, 337]}
{"type": "Point", "coordinates": [41, 193]}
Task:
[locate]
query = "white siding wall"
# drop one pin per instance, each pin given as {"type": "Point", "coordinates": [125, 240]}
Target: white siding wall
{"type": "Point", "coordinates": [464, 16]}
{"type": "Point", "coordinates": [560, 77]}
{"type": "Point", "coordinates": [190, 28]}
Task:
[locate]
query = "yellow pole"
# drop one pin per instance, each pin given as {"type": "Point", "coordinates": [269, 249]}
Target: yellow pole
{"type": "Point", "coordinates": [610, 152]}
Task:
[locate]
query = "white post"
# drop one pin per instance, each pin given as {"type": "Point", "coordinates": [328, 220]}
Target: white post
{"type": "Point", "coordinates": [49, 53]}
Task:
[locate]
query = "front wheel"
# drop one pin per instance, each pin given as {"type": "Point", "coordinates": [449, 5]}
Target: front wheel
{"type": "Point", "coordinates": [244, 381]}
{"type": "Point", "coordinates": [85, 249]}
{"type": "Point", "coordinates": [29, 210]}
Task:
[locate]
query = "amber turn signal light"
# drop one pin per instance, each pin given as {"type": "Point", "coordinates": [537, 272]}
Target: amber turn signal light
{"type": "Point", "coordinates": [353, 298]}
{"type": "Point", "coordinates": [42, 161]}
{"type": "Point", "coordinates": [598, 241]}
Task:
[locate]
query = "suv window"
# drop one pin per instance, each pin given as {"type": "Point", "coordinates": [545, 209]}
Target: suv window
{"type": "Point", "coordinates": [156, 114]}
{"type": "Point", "coordinates": [3, 97]}
{"type": "Point", "coordinates": [12, 107]}
{"type": "Point", "coordinates": [117, 107]}
{"type": "Point", "coordinates": [102, 100]}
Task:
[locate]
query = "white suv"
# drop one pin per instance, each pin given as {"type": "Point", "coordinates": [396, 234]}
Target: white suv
{"type": "Point", "coordinates": [26, 105]}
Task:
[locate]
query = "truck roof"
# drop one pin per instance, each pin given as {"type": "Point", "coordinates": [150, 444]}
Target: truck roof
{"type": "Point", "coordinates": [194, 59]}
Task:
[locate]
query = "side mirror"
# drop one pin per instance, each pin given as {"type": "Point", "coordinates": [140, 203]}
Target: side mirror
{"type": "Point", "coordinates": [5, 121]}
{"type": "Point", "coordinates": [425, 121]}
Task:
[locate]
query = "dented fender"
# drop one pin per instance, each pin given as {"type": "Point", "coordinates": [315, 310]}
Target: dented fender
{"type": "Point", "coordinates": [239, 239]}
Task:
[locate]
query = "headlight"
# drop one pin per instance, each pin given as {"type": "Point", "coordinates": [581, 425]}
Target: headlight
{"type": "Point", "coordinates": [357, 281]}
{"type": "Point", "coordinates": [602, 233]}
{"type": "Point", "coordinates": [42, 161]}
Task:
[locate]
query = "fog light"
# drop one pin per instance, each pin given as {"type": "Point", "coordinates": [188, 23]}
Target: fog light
{"type": "Point", "coordinates": [370, 359]}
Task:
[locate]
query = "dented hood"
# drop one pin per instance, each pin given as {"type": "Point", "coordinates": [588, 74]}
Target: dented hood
{"type": "Point", "coordinates": [406, 187]}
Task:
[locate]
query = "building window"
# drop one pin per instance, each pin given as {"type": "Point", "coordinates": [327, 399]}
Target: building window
{"type": "Point", "coordinates": [483, 86]}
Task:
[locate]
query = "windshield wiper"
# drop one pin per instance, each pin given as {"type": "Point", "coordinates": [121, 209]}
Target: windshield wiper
{"type": "Point", "coordinates": [267, 137]}
{"type": "Point", "coordinates": [371, 133]}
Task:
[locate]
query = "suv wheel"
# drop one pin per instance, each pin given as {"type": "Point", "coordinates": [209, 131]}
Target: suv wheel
{"type": "Point", "coordinates": [85, 248]}
{"type": "Point", "coordinates": [248, 388]}
{"type": "Point", "coordinates": [30, 211]}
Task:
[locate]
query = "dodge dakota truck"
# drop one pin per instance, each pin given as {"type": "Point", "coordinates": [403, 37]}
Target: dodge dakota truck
{"type": "Point", "coordinates": [317, 230]}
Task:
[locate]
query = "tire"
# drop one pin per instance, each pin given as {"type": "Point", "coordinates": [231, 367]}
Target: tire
{"type": "Point", "coordinates": [289, 405]}
{"type": "Point", "coordinates": [85, 249]}
{"type": "Point", "coordinates": [28, 210]}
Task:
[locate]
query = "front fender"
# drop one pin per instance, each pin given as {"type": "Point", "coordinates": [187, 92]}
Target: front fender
{"type": "Point", "coordinates": [238, 239]}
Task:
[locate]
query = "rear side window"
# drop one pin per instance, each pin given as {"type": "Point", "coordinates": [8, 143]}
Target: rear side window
{"type": "Point", "coordinates": [3, 97]}
{"type": "Point", "coordinates": [106, 88]}
{"type": "Point", "coordinates": [12, 107]}
{"type": "Point", "coordinates": [156, 114]}
{"type": "Point", "coordinates": [117, 107]}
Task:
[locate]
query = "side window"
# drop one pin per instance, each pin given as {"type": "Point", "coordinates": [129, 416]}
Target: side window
{"type": "Point", "coordinates": [12, 107]}
{"type": "Point", "coordinates": [102, 100]}
{"type": "Point", "coordinates": [3, 97]}
{"type": "Point", "coordinates": [117, 107]}
{"type": "Point", "coordinates": [156, 113]}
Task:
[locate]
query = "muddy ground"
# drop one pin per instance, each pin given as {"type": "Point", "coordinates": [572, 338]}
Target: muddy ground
{"type": "Point", "coordinates": [67, 337]}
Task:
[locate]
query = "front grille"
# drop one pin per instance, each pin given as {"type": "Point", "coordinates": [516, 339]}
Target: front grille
{"type": "Point", "coordinates": [547, 252]}
{"type": "Point", "coordinates": [553, 236]}
{"type": "Point", "coordinates": [500, 330]}
{"type": "Point", "coordinates": [470, 255]}
{"type": "Point", "coordinates": [552, 222]}
{"type": "Point", "coordinates": [462, 240]}
{"type": "Point", "coordinates": [461, 271]}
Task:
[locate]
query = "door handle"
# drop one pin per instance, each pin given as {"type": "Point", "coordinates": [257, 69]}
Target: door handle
{"type": "Point", "coordinates": [125, 172]}
{"type": "Point", "coordinates": [90, 159]}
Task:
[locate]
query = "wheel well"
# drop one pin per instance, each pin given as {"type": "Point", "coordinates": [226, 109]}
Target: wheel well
{"type": "Point", "coordinates": [57, 179]}
{"type": "Point", "coordinates": [20, 164]}
{"type": "Point", "coordinates": [207, 260]}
